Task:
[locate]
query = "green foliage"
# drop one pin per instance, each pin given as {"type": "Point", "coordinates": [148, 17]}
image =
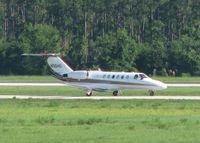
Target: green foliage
{"type": "Point", "coordinates": [117, 51]}
{"type": "Point", "coordinates": [79, 53]}
{"type": "Point", "coordinates": [152, 58]}
{"type": "Point", "coordinates": [10, 57]}
{"type": "Point", "coordinates": [184, 55]}
{"type": "Point", "coordinates": [38, 39]}
{"type": "Point", "coordinates": [144, 35]}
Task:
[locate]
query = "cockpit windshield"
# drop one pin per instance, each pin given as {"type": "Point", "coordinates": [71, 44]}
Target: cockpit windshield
{"type": "Point", "coordinates": [142, 76]}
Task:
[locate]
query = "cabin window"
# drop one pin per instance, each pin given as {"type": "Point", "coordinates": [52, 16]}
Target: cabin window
{"type": "Point", "coordinates": [65, 75]}
{"type": "Point", "coordinates": [127, 76]}
{"type": "Point", "coordinates": [122, 77]}
{"type": "Point", "coordinates": [104, 76]}
{"type": "Point", "coordinates": [136, 76]}
{"type": "Point", "coordinates": [108, 76]}
{"type": "Point", "coordinates": [113, 76]}
{"type": "Point", "coordinates": [117, 77]}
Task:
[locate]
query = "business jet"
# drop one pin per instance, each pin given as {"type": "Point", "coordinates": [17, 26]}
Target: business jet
{"type": "Point", "coordinates": [99, 80]}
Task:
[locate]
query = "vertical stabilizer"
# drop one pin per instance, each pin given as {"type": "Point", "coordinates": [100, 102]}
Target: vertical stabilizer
{"type": "Point", "coordinates": [58, 65]}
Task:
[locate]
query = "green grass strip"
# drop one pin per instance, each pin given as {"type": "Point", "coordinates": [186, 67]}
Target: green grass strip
{"type": "Point", "coordinates": [38, 121]}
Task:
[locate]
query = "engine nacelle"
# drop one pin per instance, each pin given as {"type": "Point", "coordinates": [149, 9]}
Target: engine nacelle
{"type": "Point", "coordinates": [78, 74]}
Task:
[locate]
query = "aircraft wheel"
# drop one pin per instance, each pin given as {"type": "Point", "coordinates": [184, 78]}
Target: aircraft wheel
{"type": "Point", "coordinates": [115, 93]}
{"type": "Point", "coordinates": [151, 93]}
{"type": "Point", "coordinates": [89, 93]}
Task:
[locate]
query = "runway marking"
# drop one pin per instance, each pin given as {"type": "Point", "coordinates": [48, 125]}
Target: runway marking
{"type": "Point", "coordinates": [32, 84]}
{"type": "Point", "coordinates": [100, 97]}
{"type": "Point", "coordinates": [62, 84]}
{"type": "Point", "coordinates": [183, 85]}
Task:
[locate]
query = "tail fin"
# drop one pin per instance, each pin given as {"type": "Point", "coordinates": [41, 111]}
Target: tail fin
{"type": "Point", "coordinates": [57, 65]}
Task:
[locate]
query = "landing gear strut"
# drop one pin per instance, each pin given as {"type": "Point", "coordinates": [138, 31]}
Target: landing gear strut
{"type": "Point", "coordinates": [115, 93]}
{"type": "Point", "coordinates": [89, 93]}
{"type": "Point", "coordinates": [151, 93]}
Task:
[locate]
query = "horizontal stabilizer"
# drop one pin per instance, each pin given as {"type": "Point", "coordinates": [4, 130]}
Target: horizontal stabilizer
{"type": "Point", "coordinates": [57, 65]}
{"type": "Point", "coordinates": [42, 55]}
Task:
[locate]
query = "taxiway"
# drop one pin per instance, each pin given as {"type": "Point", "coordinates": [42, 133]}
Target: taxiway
{"type": "Point", "coordinates": [100, 97]}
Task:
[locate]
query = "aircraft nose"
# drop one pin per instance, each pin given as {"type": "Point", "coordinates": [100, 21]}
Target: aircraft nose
{"type": "Point", "coordinates": [161, 85]}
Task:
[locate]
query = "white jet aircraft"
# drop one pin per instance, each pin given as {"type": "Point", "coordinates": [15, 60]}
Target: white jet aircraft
{"type": "Point", "coordinates": [100, 80]}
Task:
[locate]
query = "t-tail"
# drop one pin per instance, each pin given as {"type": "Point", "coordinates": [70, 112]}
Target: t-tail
{"type": "Point", "coordinates": [58, 67]}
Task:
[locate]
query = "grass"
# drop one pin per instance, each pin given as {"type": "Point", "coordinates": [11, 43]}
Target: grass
{"type": "Point", "coordinates": [38, 121]}
{"type": "Point", "coordinates": [40, 90]}
{"type": "Point", "coordinates": [60, 121]}
{"type": "Point", "coordinates": [52, 79]}
{"type": "Point", "coordinates": [70, 91]}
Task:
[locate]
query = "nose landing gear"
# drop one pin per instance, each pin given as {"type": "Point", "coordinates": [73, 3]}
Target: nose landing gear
{"type": "Point", "coordinates": [89, 93]}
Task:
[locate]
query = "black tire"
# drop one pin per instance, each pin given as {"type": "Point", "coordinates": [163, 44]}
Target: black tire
{"type": "Point", "coordinates": [115, 93]}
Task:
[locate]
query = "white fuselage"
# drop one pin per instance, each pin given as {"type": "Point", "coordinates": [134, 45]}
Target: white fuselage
{"type": "Point", "coordinates": [111, 81]}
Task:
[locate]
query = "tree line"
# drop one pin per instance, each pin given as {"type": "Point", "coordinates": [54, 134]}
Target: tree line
{"type": "Point", "coordinates": [159, 37]}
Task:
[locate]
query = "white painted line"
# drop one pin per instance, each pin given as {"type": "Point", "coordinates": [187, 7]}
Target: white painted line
{"type": "Point", "coordinates": [183, 85]}
{"type": "Point", "coordinates": [62, 84]}
{"type": "Point", "coordinates": [32, 84]}
{"type": "Point", "coordinates": [101, 97]}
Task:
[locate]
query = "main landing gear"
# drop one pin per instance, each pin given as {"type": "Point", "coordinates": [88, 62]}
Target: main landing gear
{"type": "Point", "coordinates": [89, 93]}
{"type": "Point", "coordinates": [115, 93]}
{"type": "Point", "coordinates": [151, 93]}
